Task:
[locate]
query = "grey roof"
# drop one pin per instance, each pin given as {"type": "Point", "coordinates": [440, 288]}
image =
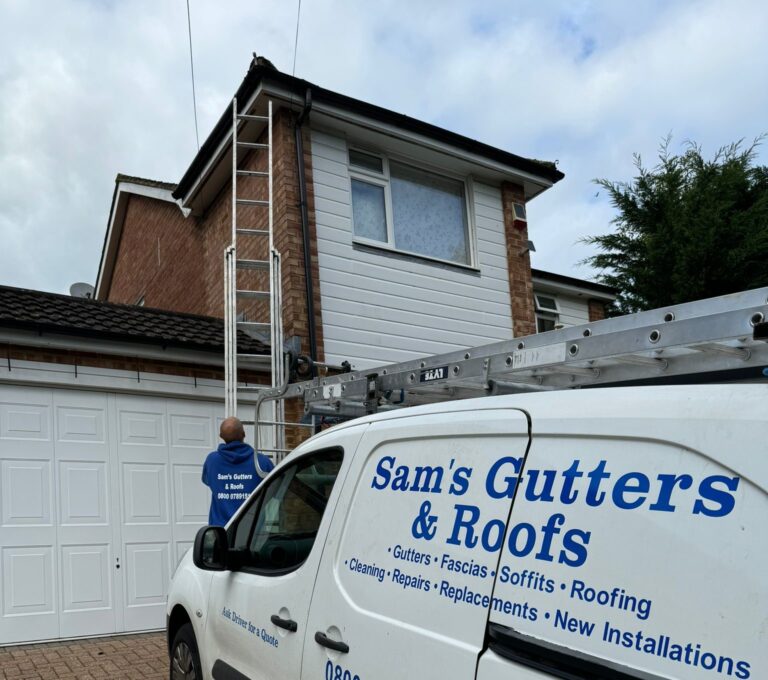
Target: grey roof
{"type": "Point", "coordinates": [572, 281]}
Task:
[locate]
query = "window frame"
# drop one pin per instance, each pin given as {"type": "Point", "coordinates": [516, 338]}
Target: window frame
{"type": "Point", "coordinates": [383, 180]}
{"type": "Point", "coordinates": [547, 316]}
{"type": "Point", "coordinates": [542, 308]}
{"type": "Point", "coordinates": [546, 313]}
{"type": "Point", "coordinates": [258, 499]}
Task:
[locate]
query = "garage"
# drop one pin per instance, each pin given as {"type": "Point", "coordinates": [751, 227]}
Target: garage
{"type": "Point", "coordinates": [101, 497]}
{"type": "Point", "coordinates": [102, 442]}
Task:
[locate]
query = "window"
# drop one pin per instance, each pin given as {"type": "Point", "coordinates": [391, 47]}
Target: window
{"type": "Point", "coordinates": [405, 208]}
{"type": "Point", "coordinates": [547, 313]}
{"type": "Point", "coordinates": [277, 531]}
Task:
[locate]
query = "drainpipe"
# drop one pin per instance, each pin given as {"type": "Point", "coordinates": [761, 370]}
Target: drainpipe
{"type": "Point", "coordinates": [305, 227]}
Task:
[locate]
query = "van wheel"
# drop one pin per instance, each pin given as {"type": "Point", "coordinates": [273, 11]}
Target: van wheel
{"type": "Point", "coordinates": [185, 661]}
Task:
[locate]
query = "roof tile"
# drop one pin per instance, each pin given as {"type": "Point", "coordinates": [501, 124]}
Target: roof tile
{"type": "Point", "coordinates": [38, 310]}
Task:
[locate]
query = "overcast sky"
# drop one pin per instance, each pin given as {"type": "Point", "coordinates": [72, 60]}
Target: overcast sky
{"type": "Point", "coordinates": [90, 88]}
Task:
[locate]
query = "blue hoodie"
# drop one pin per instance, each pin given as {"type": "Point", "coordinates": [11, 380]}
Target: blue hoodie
{"type": "Point", "coordinates": [232, 472]}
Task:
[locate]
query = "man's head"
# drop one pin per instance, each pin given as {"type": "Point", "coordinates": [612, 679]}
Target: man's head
{"type": "Point", "coordinates": [232, 430]}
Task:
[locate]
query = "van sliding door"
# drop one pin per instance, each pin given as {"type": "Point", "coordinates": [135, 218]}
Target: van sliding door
{"type": "Point", "coordinates": [636, 554]}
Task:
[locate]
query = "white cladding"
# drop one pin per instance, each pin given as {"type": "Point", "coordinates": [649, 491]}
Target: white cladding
{"type": "Point", "coordinates": [100, 496]}
{"type": "Point", "coordinates": [379, 308]}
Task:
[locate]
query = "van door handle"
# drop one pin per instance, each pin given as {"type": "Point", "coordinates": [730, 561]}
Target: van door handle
{"type": "Point", "coordinates": [322, 639]}
{"type": "Point", "coordinates": [288, 624]}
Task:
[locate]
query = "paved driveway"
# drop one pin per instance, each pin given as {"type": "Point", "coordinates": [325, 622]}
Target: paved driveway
{"type": "Point", "coordinates": [127, 657]}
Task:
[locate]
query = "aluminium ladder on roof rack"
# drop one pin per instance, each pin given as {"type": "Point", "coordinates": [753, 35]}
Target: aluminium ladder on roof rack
{"type": "Point", "coordinates": [259, 238]}
{"type": "Point", "coordinates": [726, 333]}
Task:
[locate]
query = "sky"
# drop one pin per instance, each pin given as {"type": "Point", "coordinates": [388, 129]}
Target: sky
{"type": "Point", "coordinates": [90, 88]}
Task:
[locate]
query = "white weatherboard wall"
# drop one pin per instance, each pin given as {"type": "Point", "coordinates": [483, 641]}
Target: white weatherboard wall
{"type": "Point", "coordinates": [574, 311]}
{"type": "Point", "coordinates": [379, 309]}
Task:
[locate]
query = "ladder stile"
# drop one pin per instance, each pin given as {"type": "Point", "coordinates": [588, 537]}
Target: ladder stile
{"type": "Point", "coordinates": [235, 322]}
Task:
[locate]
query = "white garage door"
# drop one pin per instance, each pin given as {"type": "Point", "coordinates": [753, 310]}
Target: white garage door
{"type": "Point", "coordinates": [100, 497]}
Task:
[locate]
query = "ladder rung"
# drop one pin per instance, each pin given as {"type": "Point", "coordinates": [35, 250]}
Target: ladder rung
{"type": "Point", "coordinates": [719, 348]}
{"type": "Point", "coordinates": [250, 116]}
{"type": "Point", "coordinates": [252, 173]}
{"type": "Point", "coordinates": [250, 201]}
{"type": "Point", "coordinates": [253, 145]}
{"type": "Point", "coordinates": [276, 422]}
{"type": "Point", "coordinates": [639, 360]}
{"type": "Point", "coordinates": [253, 232]}
{"type": "Point", "coordinates": [253, 294]}
{"type": "Point", "coordinates": [262, 265]}
{"type": "Point", "coordinates": [244, 355]}
{"type": "Point", "coordinates": [253, 325]}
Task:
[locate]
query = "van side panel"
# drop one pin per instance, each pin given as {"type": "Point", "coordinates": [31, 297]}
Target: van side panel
{"type": "Point", "coordinates": [637, 553]}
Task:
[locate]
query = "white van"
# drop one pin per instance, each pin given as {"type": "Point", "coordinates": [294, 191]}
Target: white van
{"type": "Point", "coordinates": [610, 533]}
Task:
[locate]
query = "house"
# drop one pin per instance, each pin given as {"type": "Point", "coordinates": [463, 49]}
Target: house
{"type": "Point", "coordinates": [417, 235]}
{"type": "Point", "coordinates": [416, 242]}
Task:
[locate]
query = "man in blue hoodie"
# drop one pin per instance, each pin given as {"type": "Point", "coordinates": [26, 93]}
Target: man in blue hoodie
{"type": "Point", "coordinates": [232, 472]}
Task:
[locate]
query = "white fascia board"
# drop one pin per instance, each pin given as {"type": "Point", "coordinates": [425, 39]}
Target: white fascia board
{"type": "Point", "coordinates": [545, 285]}
{"type": "Point", "coordinates": [345, 117]}
{"type": "Point", "coordinates": [41, 374]}
{"type": "Point", "coordinates": [216, 156]}
{"type": "Point", "coordinates": [115, 226]}
{"type": "Point", "coordinates": [129, 350]}
{"type": "Point", "coordinates": [433, 145]}
{"type": "Point", "coordinates": [357, 120]}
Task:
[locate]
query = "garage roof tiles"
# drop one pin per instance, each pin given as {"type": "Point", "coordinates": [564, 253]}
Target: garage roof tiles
{"type": "Point", "coordinates": [51, 312]}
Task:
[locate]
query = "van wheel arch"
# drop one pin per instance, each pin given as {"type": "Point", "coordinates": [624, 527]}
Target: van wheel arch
{"type": "Point", "coordinates": [178, 618]}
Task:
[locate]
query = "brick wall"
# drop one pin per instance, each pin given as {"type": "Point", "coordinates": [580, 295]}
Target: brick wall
{"type": "Point", "coordinates": [596, 310]}
{"type": "Point", "coordinates": [156, 256]}
{"type": "Point", "coordinates": [519, 262]}
{"type": "Point", "coordinates": [199, 244]}
{"type": "Point", "coordinates": [188, 276]}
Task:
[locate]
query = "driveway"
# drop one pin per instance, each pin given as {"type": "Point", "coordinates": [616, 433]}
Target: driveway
{"type": "Point", "coordinates": [126, 657]}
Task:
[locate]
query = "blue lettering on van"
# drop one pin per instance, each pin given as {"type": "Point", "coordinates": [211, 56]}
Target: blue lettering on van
{"type": "Point", "coordinates": [554, 541]}
{"type": "Point", "coordinates": [265, 636]}
{"type": "Point", "coordinates": [680, 651]}
{"type": "Point", "coordinates": [335, 672]}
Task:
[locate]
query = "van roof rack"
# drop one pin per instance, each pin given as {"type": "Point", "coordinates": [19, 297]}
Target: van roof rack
{"type": "Point", "coordinates": [725, 333]}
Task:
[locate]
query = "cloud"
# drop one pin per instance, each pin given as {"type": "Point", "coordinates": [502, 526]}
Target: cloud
{"type": "Point", "coordinates": [90, 88]}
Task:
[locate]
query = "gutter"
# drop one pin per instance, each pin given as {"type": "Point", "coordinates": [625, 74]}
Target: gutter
{"type": "Point", "coordinates": [119, 348]}
{"type": "Point", "coordinates": [263, 76]}
{"type": "Point", "coordinates": [305, 228]}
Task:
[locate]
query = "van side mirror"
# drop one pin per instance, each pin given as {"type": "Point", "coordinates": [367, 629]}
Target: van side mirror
{"type": "Point", "coordinates": [210, 549]}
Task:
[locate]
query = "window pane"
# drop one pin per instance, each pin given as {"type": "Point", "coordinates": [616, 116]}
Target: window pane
{"type": "Point", "coordinates": [429, 212]}
{"type": "Point", "coordinates": [546, 303]}
{"type": "Point", "coordinates": [368, 214]}
{"type": "Point", "coordinates": [545, 323]}
{"type": "Point", "coordinates": [366, 160]}
{"type": "Point", "coordinates": [290, 513]}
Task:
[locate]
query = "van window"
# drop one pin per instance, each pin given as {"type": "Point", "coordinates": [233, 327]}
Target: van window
{"type": "Point", "coordinates": [277, 531]}
{"type": "Point", "coordinates": [637, 554]}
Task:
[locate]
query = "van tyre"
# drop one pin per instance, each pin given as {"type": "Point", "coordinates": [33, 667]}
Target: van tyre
{"type": "Point", "coordinates": [185, 660]}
